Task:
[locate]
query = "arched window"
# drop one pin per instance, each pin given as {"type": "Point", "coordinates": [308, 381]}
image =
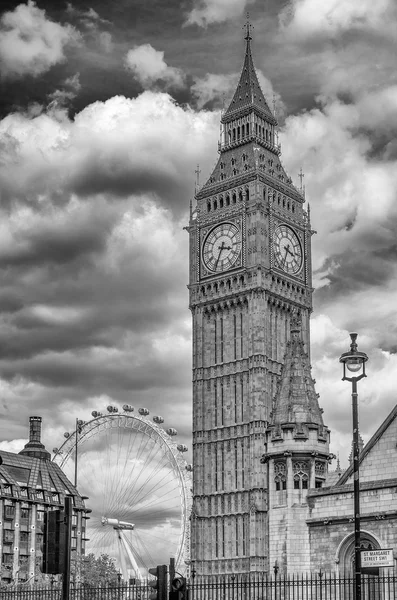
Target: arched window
{"type": "Point", "coordinates": [234, 134]}
{"type": "Point", "coordinates": [215, 205]}
{"type": "Point", "coordinates": [208, 206]}
{"type": "Point", "coordinates": [228, 200]}
{"type": "Point", "coordinates": [238, 132]}
{"type": "Point", "coordinates": [221, 202]}
{"type": "Point", "coordinates": [247, 194]}
{"type": "Point", "coordinates": [234, 198]}
{"type": "Point", "coordinates": [240, 196]}
{"type": "Point", "coordinates": [242, 131]}
{"type": "Point", "coordinates": [301, 475]}
{"type": "Point", "coordinates": [280, 476]}
{"type": "Point", "coordinates": [248, 129]}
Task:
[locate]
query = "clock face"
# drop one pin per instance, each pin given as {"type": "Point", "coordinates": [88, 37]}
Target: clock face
{"type": "Point", "coordinates": [222, 247]}
{"type": "Point", "coordinates": [287, 249]}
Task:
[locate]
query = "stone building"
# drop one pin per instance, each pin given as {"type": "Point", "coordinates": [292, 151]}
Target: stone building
{"type": "Point", "coordinates": [262, 493]}
{"type": "Point", "coordinates": [31, 485]}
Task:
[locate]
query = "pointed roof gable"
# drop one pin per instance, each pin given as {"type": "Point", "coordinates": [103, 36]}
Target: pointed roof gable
{"type": "Point", "coordinates": [248, 94]}
{"type": "Point", "coordinates": [377, 458]}
{"type": "Point", "coordinates": [296, 401]}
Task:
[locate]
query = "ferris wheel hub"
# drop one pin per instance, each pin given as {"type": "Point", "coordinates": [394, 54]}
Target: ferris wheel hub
{"type": "Point", "coordinates": [116, 524]}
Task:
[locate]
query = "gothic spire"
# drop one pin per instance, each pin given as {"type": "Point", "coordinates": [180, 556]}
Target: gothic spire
{"type": "Point", "coordinates": [296, 401]}
{"type": "Point", "coordinates": [248, 94]}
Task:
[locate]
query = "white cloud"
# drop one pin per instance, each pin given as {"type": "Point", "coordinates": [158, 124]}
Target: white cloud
{"type": "Point", "coordinates": [120, 146]}
{"type": "Point", "coordinates": [214, 87]}
{"type": "Point", "coordinates": [149, 67]}
{"type": "Point", "coordinates": [311, 18]}
{"type": "Point", "coordinates": [30, 43]}
{"type": "Point", "coordinates": [220, 88]}
{"type": "Point", "coordinates": [14, 446]}
{"type": "Point", "coordinates": [69, 91]}
{"type": "Point", "coordinates": [215, 11]}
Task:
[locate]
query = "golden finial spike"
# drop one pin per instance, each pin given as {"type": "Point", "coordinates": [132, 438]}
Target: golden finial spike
{"type": "Point", "coordinates": [248, 27]}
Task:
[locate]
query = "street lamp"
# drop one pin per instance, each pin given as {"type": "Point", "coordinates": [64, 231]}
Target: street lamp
{"type": "Point", "coordinates": [354, 361]}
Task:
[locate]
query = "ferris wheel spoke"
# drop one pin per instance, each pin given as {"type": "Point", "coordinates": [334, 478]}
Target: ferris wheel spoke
{"type": "Point", "coordinates": [158, 488]}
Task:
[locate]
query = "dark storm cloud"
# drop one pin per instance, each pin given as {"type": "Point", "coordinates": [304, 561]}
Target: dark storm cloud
{"type": "Point", "coordinates": [94, 372]}
{"type": "Point", "coordinates": [53, 243]}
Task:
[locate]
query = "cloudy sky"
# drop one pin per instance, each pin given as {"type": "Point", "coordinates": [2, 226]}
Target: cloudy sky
{"type": "Point", "coordinates": [106, 108]}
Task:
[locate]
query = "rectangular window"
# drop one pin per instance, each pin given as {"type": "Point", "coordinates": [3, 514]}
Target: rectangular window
{"type": "Point", "coordinates": [235, 401]}
{"type": "Point", "coordinates": [221, 334]}
{"type": "Point", "coordinates": [244, 539]}
{"type": "Point", "coordinates": [222, 403]}
{"type": "Point", "coordinates": [242, 463]}
{"type": "Point", "coordinates": [216, 403]}
{"type": "Point", "coordinates": [242, 398]}
{"type": "Point", "coordinates": [24, 513]}
{"type": "Point", "coordinates": [236, 465]}
{"type": "Point", "coordinates": [241, 335]}
{"type": "Point", "coordinates": [8, 536]}
{"type": "Point", "coordinates": [216, 466]}
{"type": "Point", "coordinates": [223, 469]}
{"type": "Point", "coordinates": [216, 538]}
{"type": "Point", "coordinates": [9, 512]}
{"type": "Point", "coordinates": [237, 538]}
{"type": "Point", "coordinates": [234, 337]}
{"type": "Point", "coordinates": [223, 536]}
{"type": "Point", "coordinates": [215, 340]}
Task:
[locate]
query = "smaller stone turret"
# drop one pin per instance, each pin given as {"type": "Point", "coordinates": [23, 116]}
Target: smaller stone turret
{"type": "Point", "coordinates": [295, 406]}
{"type": "Point", "coordinates": [34, 447]}
{"type": "Point", "coordinates": [297, 454]}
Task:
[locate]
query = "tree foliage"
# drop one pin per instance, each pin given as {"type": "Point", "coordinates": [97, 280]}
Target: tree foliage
{"type": "Point", "coordinates": [97, 571]}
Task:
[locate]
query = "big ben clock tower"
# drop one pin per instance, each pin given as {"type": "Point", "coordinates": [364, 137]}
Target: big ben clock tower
{"type": "Point", "coordinates": [250, 271]}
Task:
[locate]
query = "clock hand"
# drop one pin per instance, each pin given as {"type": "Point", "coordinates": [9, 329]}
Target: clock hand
{"type": "Point", "coordinates": [220, 252]}
{"type": "Point", "coordinates": [288, 250]}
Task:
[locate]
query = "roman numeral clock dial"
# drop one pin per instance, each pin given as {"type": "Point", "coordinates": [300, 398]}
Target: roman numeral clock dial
{"type": "Point", "coordinates": [222, 248]}
{"type": "Point", "coordinates": [287, 250]}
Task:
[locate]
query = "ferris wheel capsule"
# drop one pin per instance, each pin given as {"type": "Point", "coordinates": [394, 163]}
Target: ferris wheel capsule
{"type": "Point", "coordinates": [94, 413]}
{"type": "Point", "coordinates": [143, 411]}
{"type": "Point", "coordinates": [158, 420]}
{"type": "Point", "coordinates": [171, 431]}
{"type": "Point", "coordinates": [55, 450]}
{"type": "Point", "coordinates": [66, 434]}
{"type": "Point", "coordinates": [128, 408]}
{"type": "Point", "coordinates": [112, 409]}
{"type": "Point", "coordinates": [182, 448]}
{"type": "Point", "coordinates": [189, 468]}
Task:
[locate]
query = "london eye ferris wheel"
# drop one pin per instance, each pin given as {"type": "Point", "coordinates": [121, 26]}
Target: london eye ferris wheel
{"type": "Point", "coordinates": [138, 486]}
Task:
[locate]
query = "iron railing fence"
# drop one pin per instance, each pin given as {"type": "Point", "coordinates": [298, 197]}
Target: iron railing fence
{"type": "Point", "coordinates": [54, 592]}
{"type": "Point", "coordinates": [319, 586]}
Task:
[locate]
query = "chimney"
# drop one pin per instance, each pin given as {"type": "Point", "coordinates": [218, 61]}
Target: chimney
{"type": "Point", "coordinates": [34, 447]}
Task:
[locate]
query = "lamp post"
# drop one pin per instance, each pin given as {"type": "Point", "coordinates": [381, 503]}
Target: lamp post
{"type": "Point", "coordinates": [354, 361]}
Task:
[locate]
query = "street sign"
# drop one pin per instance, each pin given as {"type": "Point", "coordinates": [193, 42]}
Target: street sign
{"type": "Point", "coordinates": [377, 558]}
